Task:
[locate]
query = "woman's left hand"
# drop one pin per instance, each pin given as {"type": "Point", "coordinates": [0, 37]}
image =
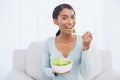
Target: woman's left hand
{"type": "Point", "coordinates": [86, 38]}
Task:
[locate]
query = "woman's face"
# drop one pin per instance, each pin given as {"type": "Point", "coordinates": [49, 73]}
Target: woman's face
{"type": "Point", "coordinates": [66, 21]}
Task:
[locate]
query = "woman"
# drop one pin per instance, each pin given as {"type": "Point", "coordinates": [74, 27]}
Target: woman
{"type": "Point", "coordinates": [67, 45]}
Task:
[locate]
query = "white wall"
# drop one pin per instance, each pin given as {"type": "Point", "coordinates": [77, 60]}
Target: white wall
{"type": "Point", "coordinates": [112, 30]}
{"type": "Point", "coordinates": [24, 21]}
{"type": "Point", "coordinates": [21, 22]}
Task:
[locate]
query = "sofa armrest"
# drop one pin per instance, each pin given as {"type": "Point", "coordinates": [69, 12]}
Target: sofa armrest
{"type": "Point", "coordinates": [19, 59]}
{"type": "Point", "coordinates": [17, 75]}
{"type": "Point", "coordinates": [108, 75]}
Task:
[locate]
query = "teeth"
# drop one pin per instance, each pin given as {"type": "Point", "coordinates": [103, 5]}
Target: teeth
{"type": "Point", "coordinates": [69, 27]}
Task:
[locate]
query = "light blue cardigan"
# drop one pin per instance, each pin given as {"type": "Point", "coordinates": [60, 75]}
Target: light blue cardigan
{"type": "Point", "coordinates": [81, 61]}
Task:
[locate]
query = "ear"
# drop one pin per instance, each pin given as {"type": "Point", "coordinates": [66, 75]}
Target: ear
{"type": "Point", "coordinates": [55, 21]}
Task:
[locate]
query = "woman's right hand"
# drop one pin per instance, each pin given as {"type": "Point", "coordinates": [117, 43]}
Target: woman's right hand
{"type": "Point", "coordinates": [68, 72]}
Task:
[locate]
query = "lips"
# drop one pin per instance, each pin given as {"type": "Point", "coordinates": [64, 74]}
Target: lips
{"type": "Point", "coordinates": [70, 27]}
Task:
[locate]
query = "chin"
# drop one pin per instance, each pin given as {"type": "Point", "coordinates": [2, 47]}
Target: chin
{"type": "Point", "coordinates": [69, 33]}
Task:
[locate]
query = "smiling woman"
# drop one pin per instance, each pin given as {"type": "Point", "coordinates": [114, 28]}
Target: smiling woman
{"type": "Point", "coordinates": [67, 45]}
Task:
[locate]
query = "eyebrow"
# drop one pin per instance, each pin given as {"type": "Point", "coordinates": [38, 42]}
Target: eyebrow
{"type": "Point", "coordinates": [66, 15]}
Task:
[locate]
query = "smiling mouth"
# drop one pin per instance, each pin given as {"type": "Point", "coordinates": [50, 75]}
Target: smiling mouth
{"type": "Point", "coordinates": [69, 27]}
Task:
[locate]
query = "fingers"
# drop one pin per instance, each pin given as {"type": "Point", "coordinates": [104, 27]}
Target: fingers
{"type": "Point", "coordinates": [86, 38]}
{"type": "Point", "coordinates": [69, 72]}
{"type": "Point", "coordinates": [89, 34]}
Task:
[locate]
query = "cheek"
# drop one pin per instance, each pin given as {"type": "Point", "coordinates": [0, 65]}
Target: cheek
{"type": "Point", "coordinates": [74, 22]}
{"type": "Point", "coordinates": [61, 22]}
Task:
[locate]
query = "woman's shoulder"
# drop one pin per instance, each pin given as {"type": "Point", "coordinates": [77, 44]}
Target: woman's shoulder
{"type": "Point", "coordinates": [49, 40]}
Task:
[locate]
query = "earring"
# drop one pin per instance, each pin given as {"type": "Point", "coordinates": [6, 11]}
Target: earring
{"type": "Point", "coordinates": [74, 31]}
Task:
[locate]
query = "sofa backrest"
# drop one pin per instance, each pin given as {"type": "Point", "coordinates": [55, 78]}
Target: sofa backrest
{"type": "Point", "coordinates": [101, 61]}
{"type": "Point", "coordinates": [19, 59]}
{"type": "Point", "coordinates": [106, 60]}
{"type": "Point", "coordinates": [33, 61]}
{"type": "Point", "coordinates": [95, 59]}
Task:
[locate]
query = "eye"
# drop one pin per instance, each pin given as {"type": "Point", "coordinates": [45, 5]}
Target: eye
{"type": "Point", "coordinates": [64, 18]}
{"type": "Point", "coordinates": [72, 17]}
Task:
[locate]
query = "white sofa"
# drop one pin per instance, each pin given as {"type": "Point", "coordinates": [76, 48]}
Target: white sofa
{"type": "Point", "coordinates": [27, 64]}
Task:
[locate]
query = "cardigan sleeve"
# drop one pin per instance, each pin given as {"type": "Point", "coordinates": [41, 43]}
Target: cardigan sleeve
{"type": "Point", "coordinates": [46, 68]}
{"type": "Point", "coordinates": [85, 65]}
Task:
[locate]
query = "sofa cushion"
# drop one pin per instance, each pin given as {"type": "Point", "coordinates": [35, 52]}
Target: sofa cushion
{"type": "Point", "coordinates": [33, 61]}
{"type": "Point", "coordinates": [96, 64]}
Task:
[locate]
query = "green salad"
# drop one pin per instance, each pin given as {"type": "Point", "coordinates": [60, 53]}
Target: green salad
{"type": "Point", "coordinates": [61, 62]}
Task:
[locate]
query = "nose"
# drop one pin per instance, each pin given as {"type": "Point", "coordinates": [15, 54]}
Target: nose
{"type": "Point", "coordinates": [70, 21]}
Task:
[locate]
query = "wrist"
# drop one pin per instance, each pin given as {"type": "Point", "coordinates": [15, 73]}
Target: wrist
{"type": "Point", "coordinates": [85, 48]}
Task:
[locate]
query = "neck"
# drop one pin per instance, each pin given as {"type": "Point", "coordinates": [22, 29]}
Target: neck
{"type": "Point", "coordinates": [66, 37]}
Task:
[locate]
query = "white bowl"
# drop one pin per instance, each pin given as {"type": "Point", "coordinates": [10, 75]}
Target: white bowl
{"type": "Point", "coordinates": [62, 69]}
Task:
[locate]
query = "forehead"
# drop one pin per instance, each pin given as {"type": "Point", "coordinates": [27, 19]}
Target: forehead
{"type": "Point", "coordinates": [66, 11]}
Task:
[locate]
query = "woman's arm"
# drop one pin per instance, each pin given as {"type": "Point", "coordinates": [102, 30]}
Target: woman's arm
{"type": "Point", "coordinates": [46, 68]}
{"type": "Point", "coordinates": [85, 59]}
{"type": "Point", "coordinates": [85, 65]}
